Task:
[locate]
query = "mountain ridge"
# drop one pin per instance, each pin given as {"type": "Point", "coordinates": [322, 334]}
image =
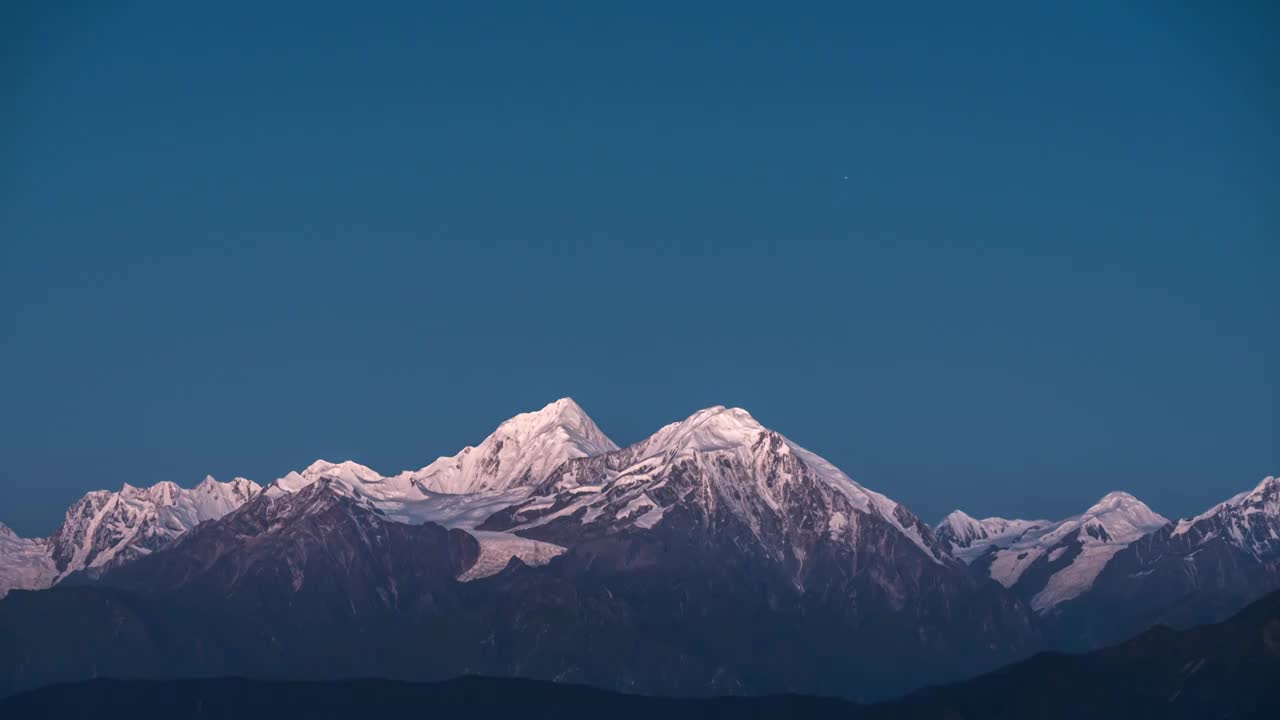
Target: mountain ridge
{"type": "Point", "coordinates": [712, 524]}
{"type": "Point", "coordinates": [1225, 670]}
{"type": "Point", "coordinates": [1050, 562]}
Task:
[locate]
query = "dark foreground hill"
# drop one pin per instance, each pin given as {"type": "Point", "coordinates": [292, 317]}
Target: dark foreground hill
{"type": "Point", "coordinates": [1227, 670]}
{"type": "Point", "coordinates": [472, 698]}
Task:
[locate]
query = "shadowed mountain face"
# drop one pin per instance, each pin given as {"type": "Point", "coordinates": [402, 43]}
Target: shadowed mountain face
{"type": "Point", "coordinates": [312, 584]}
{"type": "Point", "coordinates": [1219, 671]}
{"type": "Point", "coordinates": [262, 556]}
{"type": "Point", "coordinates": [473, 697]}
{"type": "Point", "coordinates": [1227, 670]}
{"type": "Point", "coordinates": [316, 584]}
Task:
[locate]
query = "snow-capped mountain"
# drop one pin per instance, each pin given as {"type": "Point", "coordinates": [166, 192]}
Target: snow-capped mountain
{"type": "Point", "coordinates": [522, 451]}
{"type": "Point", "coordinates": [400, 498]}
{"type": "Point", "coordinates": [967, 537]}
{"type": "Point", "coordinates": [1194, 571]}
{"type": "Point", "coordinates": [734, 512]}
{"type": "Point", "coordinates": [461, 491]}
{"type": "Point", "coordinates": [318, 538]}
{"type": "Point", "coordinates": [718, 462]}
{"type": "Point", "coordinates": [1050, 563]}
{"type": "Point", "coordinates": [106, 527]}
{"type": "Point", "coordinates": [1249, 521]}
{"type": "Point", "coordinates": [555, 463]}
{"type": "Point", "coordinates": [716, 553]}
{"type": "Point", "coordinates": [518, 455]}
{"type": "Point", "coordinates": [713, 536]}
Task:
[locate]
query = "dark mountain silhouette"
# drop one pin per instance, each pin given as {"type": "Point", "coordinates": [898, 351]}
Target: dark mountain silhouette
{"type": "Point", "coordinates": [1228, 670]}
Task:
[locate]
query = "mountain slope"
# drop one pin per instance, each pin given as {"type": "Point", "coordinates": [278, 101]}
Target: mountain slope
{"type": "Point", "coordinates": [1051, 563]}
{"type": "Point", "coordinates": [966, 537]}
{"type": "Point", "coordinates": [1249, 521]}
{"type": "Point", "coordinates": [1193, 571]}
{"type": "Point", "coordinates": [463, 490]}
{"type": "Point", "coordinates": [400, 499]}
{"type": "Point", "coordinates": [1227, 670]}
{"type": "Point", "coordinates": [724, 507]}
{"type": "Point", "coordinates": [104, 528]}
{"type": "Point", "coordinates": [522, 451]}
{"type": "Point", "coordinates": [719, 461]}
{"type": "Point", "coordinates": [110, 527]}
{"type": "Point", "coordinates": [277, 551]}
{"type": "Point", "coordinates": [309, 584]}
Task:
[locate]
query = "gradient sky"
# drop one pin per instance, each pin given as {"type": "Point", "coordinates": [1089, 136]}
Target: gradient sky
{"type": "Point", "coordinates": [1005, 259]}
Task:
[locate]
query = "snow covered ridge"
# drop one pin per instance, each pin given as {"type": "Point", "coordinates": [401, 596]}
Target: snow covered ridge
{"type": "Point", "coordinates": [565, 468]}
{"type": "Point", "coordinates": [1051, 562]}
{"type": "Point", "coordinates": [967, 537]}
{"type": "Point", "coordinates": [511, 467]}
{"type": "Point", "coordinates": [103, 528]}
{"type": "Point", "coordinates": [555, 466]}
{"type": "Point", "coordinates": [1249, 521]}
{"type": "Point", "coordinates": [721, 460]}
{"type": "Point", "coordinates": [522, 451]}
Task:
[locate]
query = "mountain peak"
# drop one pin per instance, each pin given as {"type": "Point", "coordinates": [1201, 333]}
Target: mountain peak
{"type": "Point", "coordinates": [238, 488]}
{"type": "Point", "coordinates": [1124, 517]}
{"type": "Point", "coordinates": [957, 518]}
{"type": "Point", "coordinates": [1069, 553]}
{"type": "Point", "coordinates": [1245, 513]}
{"type": "Point", "coordinates": [1116, 498]}
{"type": "Point", "coordinates": [319, 466]}
{"type": "Point", "coordinates": [1268, 484]}
{"type": "Point", "coordinates": [968, 537]}
{"type": "Point", "coordinates": [562, 407]}
{"type": "Point", "coordinates": [345, 470]}
{"type": "Point", "coordinates": [714, 428]}
{"type": "Point", "coordinates": [959, 530]}
{"type": "Point", "coordinates": [521, 451]}
{"type": "Point", "coordinates": [564, 416]}
{"type": "Point", "coordinates": [725, 417]}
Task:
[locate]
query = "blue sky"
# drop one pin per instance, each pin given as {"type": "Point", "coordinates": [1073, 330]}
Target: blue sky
{"type": "Point", "coordinates": [1005, 259]}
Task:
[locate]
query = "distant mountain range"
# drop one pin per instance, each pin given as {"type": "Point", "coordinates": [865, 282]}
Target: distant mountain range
{"type": "Point", "coordinates": [1049, 563]}
{"type": "Point", "coordinates": [1227, 670]}
{"type": "Point", "coordinates": [715, 556]}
